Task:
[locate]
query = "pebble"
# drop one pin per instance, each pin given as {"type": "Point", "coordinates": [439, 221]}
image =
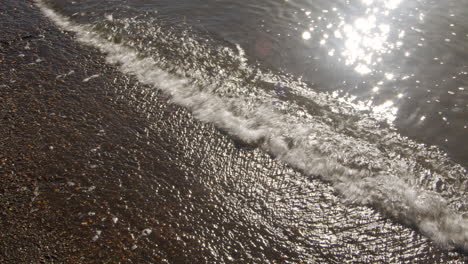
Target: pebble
{"type": "Point", "coordinates": [98, 234]}
{"type": "Point", "coordinates": [146, 231]}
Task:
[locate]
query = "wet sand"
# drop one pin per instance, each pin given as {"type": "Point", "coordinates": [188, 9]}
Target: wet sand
{"type": "Point", "coordinates": [96, 168]}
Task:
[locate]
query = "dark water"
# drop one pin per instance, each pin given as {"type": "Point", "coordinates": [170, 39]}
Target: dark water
{"type": "Point", "coordinates": [367, 96]}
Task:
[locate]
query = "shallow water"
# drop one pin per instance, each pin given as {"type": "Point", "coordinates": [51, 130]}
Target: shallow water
{"type": "Point", "coordinates": [405, 60]}
{"type": "Point", "coordinates": [328, 88]}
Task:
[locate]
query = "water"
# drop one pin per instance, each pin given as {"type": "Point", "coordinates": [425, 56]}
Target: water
{"type": "Point", "coordinates": [369, 96]}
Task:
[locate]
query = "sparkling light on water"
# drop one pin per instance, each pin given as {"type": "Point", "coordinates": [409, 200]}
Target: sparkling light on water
{"type": "Point", "coordinates": [365, 41]}
{"type": "Point", "coordinates": [362, 42]}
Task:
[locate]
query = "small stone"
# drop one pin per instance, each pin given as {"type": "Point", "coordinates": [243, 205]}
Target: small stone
{"type": "Point", "coordinates": [146, 232]}
{"type": "Point", "coordinates": [98, 234]}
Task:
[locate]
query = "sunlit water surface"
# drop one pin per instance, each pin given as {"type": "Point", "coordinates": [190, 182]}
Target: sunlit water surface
{"type": "Point", "coordinates": [370, 96]}
{"type": "Point", "coordinates": [403, 60]}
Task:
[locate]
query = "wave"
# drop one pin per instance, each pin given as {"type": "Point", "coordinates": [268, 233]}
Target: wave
{"type": "Point", "coordinates": [317, 133]}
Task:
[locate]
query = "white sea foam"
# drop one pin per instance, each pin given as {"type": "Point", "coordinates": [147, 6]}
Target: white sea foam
{"type": "Point", "coordinates": [370, 167]}
{"type": "Point", "coordinates": [91, 77]}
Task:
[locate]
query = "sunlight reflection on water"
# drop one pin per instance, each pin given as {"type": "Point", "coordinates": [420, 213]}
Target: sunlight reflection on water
{"type": "Point", "coordinates": [362, 42]}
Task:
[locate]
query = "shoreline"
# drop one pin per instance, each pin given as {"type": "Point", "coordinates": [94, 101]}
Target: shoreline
{"type": "Point", "coordinates": [94, 169]}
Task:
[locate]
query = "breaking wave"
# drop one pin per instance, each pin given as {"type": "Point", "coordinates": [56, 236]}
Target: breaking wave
{"type": "Point", "coordinates": [322, 135]}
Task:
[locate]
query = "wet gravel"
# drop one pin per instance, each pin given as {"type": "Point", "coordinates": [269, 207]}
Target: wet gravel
{"type": "Point", "coordinates": [95, 168]}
